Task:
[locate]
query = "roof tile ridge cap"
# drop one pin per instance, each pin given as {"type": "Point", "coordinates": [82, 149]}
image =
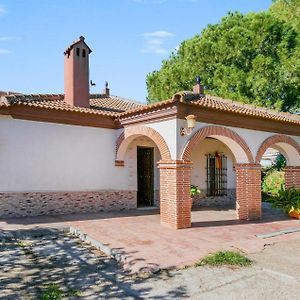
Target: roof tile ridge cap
{"type": "Point", "coordinates": [4, 101]}
{"type": "Point", "coordinates": [223, 100]}
{"type": "Point", "coordinates": [147, 107]}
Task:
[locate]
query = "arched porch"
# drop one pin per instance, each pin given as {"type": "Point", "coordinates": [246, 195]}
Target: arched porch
{"type": "Point", "coordinates": [290, 149]}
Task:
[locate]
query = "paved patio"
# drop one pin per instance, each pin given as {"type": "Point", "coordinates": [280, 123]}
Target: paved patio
{"type": "Point", "coordinates": [143, 244]}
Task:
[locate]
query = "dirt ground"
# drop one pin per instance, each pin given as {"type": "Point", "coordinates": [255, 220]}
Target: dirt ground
{"type": "Point", "coordinates": [31, 261]}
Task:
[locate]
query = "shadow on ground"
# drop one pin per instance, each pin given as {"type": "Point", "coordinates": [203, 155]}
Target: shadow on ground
{"type": "Point", "coordinates": [30, 260]}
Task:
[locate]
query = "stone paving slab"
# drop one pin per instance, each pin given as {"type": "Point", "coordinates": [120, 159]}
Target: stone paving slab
{"type": "Point", "coordinates": [142, 244]}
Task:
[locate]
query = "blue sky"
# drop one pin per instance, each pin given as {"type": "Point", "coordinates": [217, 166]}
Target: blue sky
{"type": "Point", "coordinates": [129, 39]}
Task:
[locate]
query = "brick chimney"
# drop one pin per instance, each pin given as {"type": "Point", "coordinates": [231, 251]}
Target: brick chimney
{"type": "Point", "coordinates": [77, 92]}
{"type": "Point", "coordinates": [198, 88]}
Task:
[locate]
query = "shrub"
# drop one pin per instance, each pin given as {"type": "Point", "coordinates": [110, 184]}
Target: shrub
{"type": "Point", "coordinates": [287, 199]}
{"type": "Point", "coordinates": [194, 190]}
{"type": "Point", "coordinates": [273, 182]}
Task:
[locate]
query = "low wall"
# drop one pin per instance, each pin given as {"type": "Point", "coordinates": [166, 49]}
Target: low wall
{"type": "Point", "coordinates": [218, 201]}
{"type": "Point", "coordinates": [55, 203]}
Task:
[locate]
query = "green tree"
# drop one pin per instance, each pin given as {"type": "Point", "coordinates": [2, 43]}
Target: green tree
{"type": "Point", "coordinates": [288, 11]}
{"type": "Point", "coordinates": [251, 58]}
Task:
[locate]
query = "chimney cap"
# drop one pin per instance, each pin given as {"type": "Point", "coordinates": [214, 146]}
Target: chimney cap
{"type": "Point", "coordinates": [198, 79]}
{"type": "Point", "coordinates": [79, 40]}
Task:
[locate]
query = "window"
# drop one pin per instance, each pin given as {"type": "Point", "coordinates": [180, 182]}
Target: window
{"type": "Point", "coordinates": [77, 51]}
{"type": "Point", "coordinates": [83, 52]}
{"type": "Point", "coordinates": [216, 170]}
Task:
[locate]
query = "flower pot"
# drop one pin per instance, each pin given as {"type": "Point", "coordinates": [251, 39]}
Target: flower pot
{"type": "Point", "coordinates": [293, 213]}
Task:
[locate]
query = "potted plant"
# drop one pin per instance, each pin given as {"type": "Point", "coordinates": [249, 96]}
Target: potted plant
{"type": "Point", "coordinates": [194, 191]}
{"type": "Point", "coordinates": [289, 200]}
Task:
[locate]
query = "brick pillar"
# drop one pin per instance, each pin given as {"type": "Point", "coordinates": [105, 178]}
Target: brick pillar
{"type": "Point", "coordinates": [175, 201]}
{"type": "Point", "coordinates": [292, 177]}
{"type": "Point", "coordinates": [248, 191]}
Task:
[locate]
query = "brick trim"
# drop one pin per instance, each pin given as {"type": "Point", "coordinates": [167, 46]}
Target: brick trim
{"type": "Point", "coordinates": [292, 176]}
{"type": "Point", "coordinates": [205, 132]}
{"type": "Point", "coordinates": [271, 141]}
{"type": "Point", "coordinates": [130, 133]}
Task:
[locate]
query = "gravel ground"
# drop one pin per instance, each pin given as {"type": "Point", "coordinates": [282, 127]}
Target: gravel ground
{"type": "Point", "coordinates": [30, 260]}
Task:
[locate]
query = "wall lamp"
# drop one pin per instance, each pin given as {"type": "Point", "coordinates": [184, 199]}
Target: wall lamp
{"type": "Point", "coordinates": [191, 122]}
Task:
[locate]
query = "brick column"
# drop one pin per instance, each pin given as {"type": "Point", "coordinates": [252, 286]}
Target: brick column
{"type": "Point", "coordinates": [248, 191]}
{"type": "Point", "coordinates": [175, 202]}
{"type": "Point", "coordinates": [292, 177]}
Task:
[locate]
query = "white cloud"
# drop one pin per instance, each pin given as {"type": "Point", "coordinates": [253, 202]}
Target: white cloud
{"type": "Point", "coordinates": [159, 34]}
{"type": "Point", "coordinates": [155, 41]}
{"type": "Point", "coordinates": [150, 1]}
{"type": "Point", "coordinates": [155, 50]}
{"type": "Point", "coordinates": [9, 38]}
{"type": "Point", "coordinates": [2, 9]}
{"type": "Point", "coordinates": [4, 51]}
{"type": "Point", "coordinates": [161, 1]}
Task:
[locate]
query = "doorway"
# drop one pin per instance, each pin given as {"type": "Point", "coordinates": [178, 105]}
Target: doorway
{"type": "Point", "coordinates": [145, 176]}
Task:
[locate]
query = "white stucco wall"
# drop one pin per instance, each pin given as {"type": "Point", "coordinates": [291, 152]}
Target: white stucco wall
{"type": "Point", "coordinates": [210, 146]}
{"type": "Point", "coordinates": [168, 130]}
{"type": "Point", "coordinates": [40, 156]}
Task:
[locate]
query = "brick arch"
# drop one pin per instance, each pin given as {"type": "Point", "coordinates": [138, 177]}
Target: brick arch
{"type": "Point", "coordinates": [131, 133]}
{"type": "Point", "coordinates": [208, 131]}
{"type": "Point", "coordinates": [272, 141]}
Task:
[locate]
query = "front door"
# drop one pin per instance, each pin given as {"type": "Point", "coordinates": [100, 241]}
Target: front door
{"type": "Point", "coordinates": [145, 170]}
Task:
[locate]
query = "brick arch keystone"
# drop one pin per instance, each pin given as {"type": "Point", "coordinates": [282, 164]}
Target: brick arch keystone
{"type": "Point", "coordinates": [131, 133]}
{"type": "Point", "coordinates": [205, 132]}
{"type": "Point", "coordinates": [271, 141]}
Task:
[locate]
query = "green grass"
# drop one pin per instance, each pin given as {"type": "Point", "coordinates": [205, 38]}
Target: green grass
{"type": "Point", "coordinates": [54, 292]}
{"type": "Point", "coordinates": [223, 258]}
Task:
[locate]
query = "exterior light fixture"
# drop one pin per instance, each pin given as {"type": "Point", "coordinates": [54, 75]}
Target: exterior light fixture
{"type": "Point", "coordinates": [191, 122]}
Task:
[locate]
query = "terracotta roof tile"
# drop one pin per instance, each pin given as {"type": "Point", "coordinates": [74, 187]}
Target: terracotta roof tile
{"type": "Point", "coordinates": [99, 104]}
{"type": "Point", "coordinates": [220, 104]}
{"type": "Point", "coordinates": [244, 109]}
{"type": "Point", "coordinates": [113, 103]}
{"type": "Point", "coordinates": [114, 106]}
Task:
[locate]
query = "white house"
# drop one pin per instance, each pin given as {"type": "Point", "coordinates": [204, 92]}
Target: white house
{"type": "Point", "coordinates": [85, 153]}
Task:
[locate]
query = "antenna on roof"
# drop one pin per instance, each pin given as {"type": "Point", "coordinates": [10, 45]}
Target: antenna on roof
{"type": "Point", "coordinates": [106, 89]}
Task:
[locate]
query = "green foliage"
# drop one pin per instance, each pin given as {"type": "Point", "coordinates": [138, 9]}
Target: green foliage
{"type": "Point", "coordinates": [273, 182]}
{"type": "Point", "coordinates": [194, 190]}
{"type": "Point", "coordinates": [253, 58]}
{"type": "Point", "coordinates": [54, 292]}
{"type": "Point", "coordinates": [225, 258]}
{"type": "Point", "coordinates": [280, 162]}
{"type": "Point", "coordinates": [288, 11]}
{"type": "Point", "coordinates": [287, 199]}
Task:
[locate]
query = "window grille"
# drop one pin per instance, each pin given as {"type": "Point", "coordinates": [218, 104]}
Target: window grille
{"type": "Point", "coordinates": [216, 170]}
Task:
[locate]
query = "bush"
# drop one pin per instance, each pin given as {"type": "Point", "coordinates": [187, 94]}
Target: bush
{"type": "Point", "coordinates": [273, 182]}
{"type": "Point", "coordinates": [194, 190]}
{"type": "Point", "coordinates": [287, 199]}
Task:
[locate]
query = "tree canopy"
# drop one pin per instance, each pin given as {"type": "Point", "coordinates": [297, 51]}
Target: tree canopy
{"type": "Point", "coordinates": [252, 58]}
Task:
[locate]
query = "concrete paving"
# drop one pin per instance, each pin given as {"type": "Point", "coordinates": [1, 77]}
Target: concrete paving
{"type": "Point", "coordinates": [143, 244]}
